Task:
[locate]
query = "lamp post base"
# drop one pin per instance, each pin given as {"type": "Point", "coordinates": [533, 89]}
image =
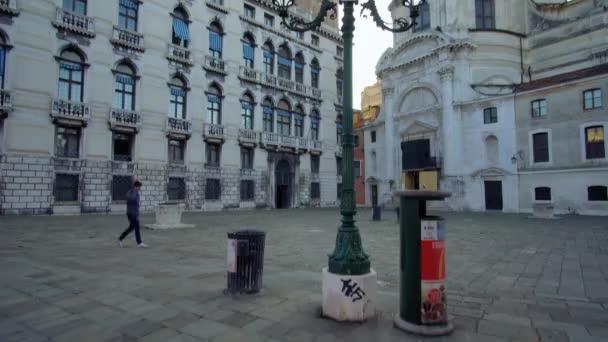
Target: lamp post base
{"type": "Point", "coordinates": [349, 298]}
{"type": "Point", "coordinates": [423, 330]}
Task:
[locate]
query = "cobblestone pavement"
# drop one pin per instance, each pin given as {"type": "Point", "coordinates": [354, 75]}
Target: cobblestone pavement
{"type": "Point", "coordinates": [510, 278]}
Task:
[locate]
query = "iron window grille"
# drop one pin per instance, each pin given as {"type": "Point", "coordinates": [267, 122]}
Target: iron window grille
{"type": "Point", "coordinates": [176, 189]}
{"type": "Point", "coordinates": [315, 162]}
{"type": "Point", "coordinates": [120, 186]}
{"type": "Point", "coordinates": [123, 147]}
{"type": "Point", "coordinates": [597, 193]}
{"type": "Point", "coordinates": [66, 188]}
{"type": "Point", "coordinates": [247, 190]}
{"type": "Point", "coordinates": [67, 142]}
{"type": "Point", "coordinates": [247, 158]}
{"type": "Point", "coordinates": [176, 151]}
{"type": "Point", "coordinates": [212, 189]}
{"type": "Point", "coordinates": [315, 191]}
{"type": "Point", "coordinates": [213, 155]}
{"type": "Point", "coordinates": [542, 194]}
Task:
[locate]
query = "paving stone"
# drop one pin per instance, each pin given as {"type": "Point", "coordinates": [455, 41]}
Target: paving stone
{"type": "Point", "coordinates": [552, 335]}
{"type": "Point", "coordinates": [205, 329]}
{"type": "Point", "coordinates": [509, 319]}
{"type": "Point", "coordinates": [507, 330]}
{"type": "Point", "coordinates": [180, 320]}
{"type": "Point", "coordinates": [141, 328]}
{"type": "Point", "coordinates": [161, 335]}
{"type": "Point", "coordinates": [238, 319]}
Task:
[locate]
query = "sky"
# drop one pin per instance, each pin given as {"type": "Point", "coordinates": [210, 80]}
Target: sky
{"type": "Point", "coordinates": [369, 43]}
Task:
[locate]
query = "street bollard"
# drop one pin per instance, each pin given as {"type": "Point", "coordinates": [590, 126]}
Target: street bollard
{"type": "Point", "coordinates": [377, 213]}
{"type": "Point", "coordinates": [423, 308]}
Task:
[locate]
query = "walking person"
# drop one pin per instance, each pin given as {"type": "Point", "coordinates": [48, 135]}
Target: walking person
{"type": "Point", "coordinates": [133, 215]}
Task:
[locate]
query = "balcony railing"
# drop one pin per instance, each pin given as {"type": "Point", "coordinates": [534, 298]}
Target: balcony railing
{"type": "Point", "coordinates": [179, 54]}
{"type": "Point", "coordinates": [179, 126]}
{"type": "Point", "coordinates": [248, 136]}
{"type": "Point", "coordinates": [127, 38]}
{"type": "Point", "coordinates": [70, 110]}
{"type": "Point", "coordinates": [215, 64]}
{"type": "Point", "coordinates": [75, 22]}
{"type": "Point", "coordinates": [303, 143]}
{"type": "Point", "coordinates": [316, 145]}
{"type": "Point", "coordinates": [274, 139]}
{"type": "Point", "coordinates": [9, 7]}
{"type": "Point", "coordinates": [269, 80]}
{"type": "Point", "coordinates": [6, 101]}
{"type": "Point", "coordinates": [124, 119]}
{"type": "Point", "coordinates": [213, 132]}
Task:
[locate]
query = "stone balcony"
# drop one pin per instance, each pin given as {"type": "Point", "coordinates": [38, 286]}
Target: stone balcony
{"type": "Point", "coordinates": [6, 103]}
{"type": "Point", "coordinates": [70, 113]}
{"type": "Point", "coordinates": [9, 7]}
{"type": "Point", "coordinates": [123, 120]}
{"type": "Point", "coordinates": [272, 81]}
{"type": "Point", "coordinates": [277, 141]}
{"type": "Point", "coordinates": [178, 128]}
{"type": "Point", "coordinates": [213, 133]}
{"type": "Point", "coordinates": [248, 137]}
{"type": "Point", "coordinates": [179, 54]}
{"type": "Point", "coordinates": [316, 147]}
{"type": "Point", "coordinates": [215, 65]}
{"type": "Point", "coordinates": [73, 22]}
{"type": "Point", "coordinates": [127, 39]}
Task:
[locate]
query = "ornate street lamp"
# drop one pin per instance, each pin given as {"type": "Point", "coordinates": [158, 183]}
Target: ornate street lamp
{"type": "Point", "coordinates": [348, 257]}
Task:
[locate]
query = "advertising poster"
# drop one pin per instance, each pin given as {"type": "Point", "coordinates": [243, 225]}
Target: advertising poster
{"type": "Point", "coordinates": [432, 258]}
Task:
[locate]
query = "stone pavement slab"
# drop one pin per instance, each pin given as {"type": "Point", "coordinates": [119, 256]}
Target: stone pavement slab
{"type": "Point", "coordinates": [509, 279]}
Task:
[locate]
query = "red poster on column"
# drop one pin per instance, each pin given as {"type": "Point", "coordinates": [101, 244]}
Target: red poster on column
{"type": "Point", "coordinates": [432, 271]}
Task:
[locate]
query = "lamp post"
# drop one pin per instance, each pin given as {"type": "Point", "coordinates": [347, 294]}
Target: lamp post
{"type": "Point", "coordinates": [348, 257]}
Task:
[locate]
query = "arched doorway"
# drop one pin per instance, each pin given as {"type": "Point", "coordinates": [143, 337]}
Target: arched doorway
{"type": "Point", "coordinates": [284, 181]}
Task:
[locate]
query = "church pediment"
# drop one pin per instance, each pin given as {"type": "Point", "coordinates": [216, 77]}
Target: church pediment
{"type": "Point", "coordinates": [491, 172]}
{"type": "Point", "coordinates": [418, 127]}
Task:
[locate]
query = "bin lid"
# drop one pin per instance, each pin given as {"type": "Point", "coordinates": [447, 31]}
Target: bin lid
{"type": "Point", "coordinates": [428, 195]}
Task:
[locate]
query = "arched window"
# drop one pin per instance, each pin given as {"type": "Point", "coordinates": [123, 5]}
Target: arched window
{"type": "Point", "coordinates": [215, 40]}
{"type": "Point", "coordinates": [71, 75]}
{"type": "Point", "coordinates": [247, 105]}
{"type": "Point", "coordinates": [339, 82]}
{"type": "Point", "coordinates": [268, 58]}
{"type": "Point", "coordinates": [248, 50]}
{"type": "Point", "coordinates": [284, 117]}
{"type": "Point", "coordinates": [177, 98]}
{"type": "Point", "coordinates": [181, 32]}
{"type": "Point", "coordinates": [299, 67]}
{"type": "Point", "coordinates": [284, 62]}
{"type": "Point", "coordinates": [76, 6]}
{"type": "Point", "coordinates": [298, 117]}
{"type": "Point", "coordinates": [492, 149]}
{"type": "Point", "coordinates": [339, 129]}
{"type": "Point", "coordinates": [3, 54]}
{"type": "Point", "coordinates": [423, 22]}
{"type": "Point", "coordinates": [268, 110]}
{"type": "Point", "coordinates": [124, 87]}
{"type": "Point", "coordinates": [315, 120]}
{"type": "Point", "coordinates": [214, 105]}
{"type": "Point", "coordinates": [315, 70]}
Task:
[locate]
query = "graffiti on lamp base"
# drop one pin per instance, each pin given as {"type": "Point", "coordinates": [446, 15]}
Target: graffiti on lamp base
{"type": "Point", "coordinates": [352, 290]}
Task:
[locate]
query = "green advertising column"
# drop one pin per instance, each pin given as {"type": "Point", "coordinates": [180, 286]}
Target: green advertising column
{"type": "Point", "coordinates": [422, 264]}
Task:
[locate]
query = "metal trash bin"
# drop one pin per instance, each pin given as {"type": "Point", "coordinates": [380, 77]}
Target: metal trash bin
{"type": "Point", "coordinates": [376, 213]}
{"type": "Point", "coordinates": [245, 261]}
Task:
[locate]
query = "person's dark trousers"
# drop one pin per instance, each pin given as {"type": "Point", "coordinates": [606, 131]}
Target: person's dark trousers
{"type": "Point", "coordinates": [133, 225]}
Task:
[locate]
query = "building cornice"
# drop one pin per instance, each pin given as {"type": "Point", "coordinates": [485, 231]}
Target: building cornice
{"type": "Point", "coordinates": [279, 33]}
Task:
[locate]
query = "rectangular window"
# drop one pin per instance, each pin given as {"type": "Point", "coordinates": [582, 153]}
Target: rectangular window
{"type": "Point", "coordinates": [542, 194]}
{"type": "Point", "coordinates": [484, 14]}
{"type": "Point", "coordinates": [299, 125]}
{"type": "Point", "coordinates": [66, 188]}
{"type": "Point", "coordinates": [314, 40]}
{"type": "Point", "coordinates": [423, 22]}
{"type": "Point", "coordinates": [76, 6]}
{"type": "Point", "coordinates": [67, 142]}
{"type": "Point", "coordinates": [213, 190]}
{"type": "Point", "coordinates": [213, 155]}
{"type": "Point", "coordinates": [357, 164]}
{"type": "Point", "coordinates": [268, 20]}
{"type": "Point", "coordinates": [540, 146]}
{"type": "Point", "coordinates": [339, 51]}
{"type": "Point", "coordinates": [373, 136]}
{"type": "Point", "coordinates": [268, 119]}
{"type": "Point", "coordinates": [597, 193]}
{"type": "Point", "coordinates": [176, 189]}
{"type": "Point", "coordinates": [594, 142]}
{"type": "Point", "coordinates": [71, 81]}
{"type": "Point", "coordinates": [284, 123]}
{"type": "Point", "coordinates": [120, 187]}
{"type": "Point", "coordinates": [315, 191]}
{"type": "Point", "coordinates": [124, 92]}
{"type": "Point", "coordinates": [176, 151]}
{"type": "Point", "coordinates": [249, 12]}
{"type": "Point", "coordinates": [214, 107]}
{"type": "Point", "coordinates": [592, 99]}
{"type": "Point", "coordinates": [356, 141]}
{"type": "Point", "coordinates": [539, 108]}
{"type": "Point", "coordinates": [122, 147]}
{"type": "Point", "coordinates": [177, 102]}
{"type": "Point", "coordinates": [246, 158]}
{"type": "Point", "coordinates": [247, 190]}
{"type": "Point", "coordinates": [315, 162]}
{"type": "Point", "coordinates": [314, 128]}
{"type": "Point", "coordinates": [127, 14]}
{"type": "Point", "coordinates": [300, 35]}
{"type": "Point", "coordinates": [339, 166]}
{"type": "Point", "coordinates": [490, 115]}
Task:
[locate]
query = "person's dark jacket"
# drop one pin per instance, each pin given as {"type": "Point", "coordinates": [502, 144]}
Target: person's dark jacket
{"type": "Point", "coordinates": [133, 202]}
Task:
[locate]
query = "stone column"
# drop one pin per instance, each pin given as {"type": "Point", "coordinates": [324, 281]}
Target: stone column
{"type": "Point", "coordinates": [449, 126]}
{"type": "Point", "coordinates": [271, 181]}
{"type": "Point", "coordinates": [296, 182]}
{"type": "Point", "coordinates": [389, 144]}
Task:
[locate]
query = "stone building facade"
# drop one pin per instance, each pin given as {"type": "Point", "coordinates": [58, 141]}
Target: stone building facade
{"type": "Point", "coordinates": [208, 103]}
{"type": "Point", "coordinates": [462, 88]}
